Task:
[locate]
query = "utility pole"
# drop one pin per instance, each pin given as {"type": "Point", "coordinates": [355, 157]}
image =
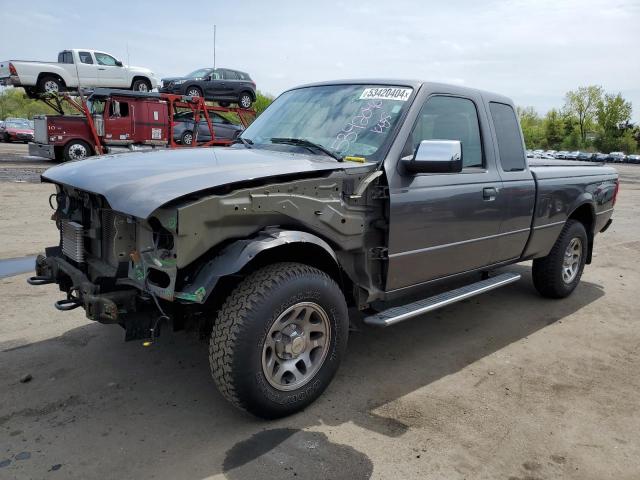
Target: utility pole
{"type": "Point", "coordinates": [214, 46]}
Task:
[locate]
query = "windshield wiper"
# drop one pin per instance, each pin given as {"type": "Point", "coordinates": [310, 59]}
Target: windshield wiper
{"type": "Point", "coordinates": [245, 141]}
{"type": "Point", "coordinates": [303, 142]}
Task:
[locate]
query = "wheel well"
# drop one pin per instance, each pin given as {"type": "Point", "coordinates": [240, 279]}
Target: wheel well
{"type": "Point", "coordinates": [585, 215]}
{"type": "Point", "coordinates": [140, 77]}
{"type": "Point", "coordinates": [49, 74]}
{"type": "Point", "coordinates": [91, 148]}
{"type": "Point", "coordinates": [193, 85]}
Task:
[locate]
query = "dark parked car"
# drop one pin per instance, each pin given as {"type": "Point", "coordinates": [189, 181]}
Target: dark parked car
{"type": "Point", "coordinates": [617, 157]}
{"type": "Point", "coordinates": [601, 157]}
{"type": "Point", "coordinates": [633, 158]}
{"type": "Point", "coordinates": [223, 128]}
{"type": "Point", "coordinates": [16, 131]}
{"type": "Point", "coordinates": [221, 84]}
{"type": "Point", "coordinates": [584, 156]}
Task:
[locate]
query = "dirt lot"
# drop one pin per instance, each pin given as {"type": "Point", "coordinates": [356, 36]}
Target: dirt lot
{"type": "Point", "coordinates": [507, 385]}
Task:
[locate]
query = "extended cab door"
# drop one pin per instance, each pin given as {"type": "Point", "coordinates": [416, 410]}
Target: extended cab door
{"type": "Point", "coordinates": [87, 69]}
{"type": "Point", "coordinates": [443, 224]}
{"type": "Point", "coordinates": [111, 73]}
{"type": "Point", "coordinates": [518, 186]}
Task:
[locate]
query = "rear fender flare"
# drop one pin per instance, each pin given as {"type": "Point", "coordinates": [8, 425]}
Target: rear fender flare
{"type": "Point", "coordinates": [237, 255]}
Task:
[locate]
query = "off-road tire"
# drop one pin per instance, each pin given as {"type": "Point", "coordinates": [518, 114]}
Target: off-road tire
{"type": "Point", "coordinates": [547, 271]}
{"type": "Point", "coordinates": [245, 318]}
{"type": "Point", "coordinates": [139, 82]}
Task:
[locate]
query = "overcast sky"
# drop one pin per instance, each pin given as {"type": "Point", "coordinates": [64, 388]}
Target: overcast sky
{"type": "Point", "coordinates": [532, 51]}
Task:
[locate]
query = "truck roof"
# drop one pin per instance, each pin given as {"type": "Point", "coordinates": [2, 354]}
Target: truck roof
{"type": "Point", "coordinates": [415, 84]}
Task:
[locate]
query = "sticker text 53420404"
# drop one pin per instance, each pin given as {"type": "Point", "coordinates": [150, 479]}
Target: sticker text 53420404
{"type": "Point", "coordinates": [386, 93]}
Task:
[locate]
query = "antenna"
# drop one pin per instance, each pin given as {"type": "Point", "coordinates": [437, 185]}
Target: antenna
{"type": "Point", "coordinates": [128, 60]}
{"type": "Point", "coordinates": [214, 46]}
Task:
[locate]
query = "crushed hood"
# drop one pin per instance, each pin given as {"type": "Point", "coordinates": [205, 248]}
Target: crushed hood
{"type": "Point", "coordinates": [138, 183]}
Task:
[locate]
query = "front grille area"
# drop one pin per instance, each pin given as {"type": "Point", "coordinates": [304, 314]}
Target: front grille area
{"type": "Point", "coordinates": [118, 237]}
{"type": "Point", "coordinates": [73, 240]}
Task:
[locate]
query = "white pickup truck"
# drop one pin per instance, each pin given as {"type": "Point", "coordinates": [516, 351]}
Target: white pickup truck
{"type": "Point", "coordinates": [75, 68]}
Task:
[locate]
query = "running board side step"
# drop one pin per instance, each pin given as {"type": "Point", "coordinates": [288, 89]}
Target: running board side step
{"type": "Point", "coordinates": [395, 315]}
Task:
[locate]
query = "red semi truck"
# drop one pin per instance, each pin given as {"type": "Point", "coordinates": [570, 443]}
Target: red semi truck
{"type": "Point", "coordinates": [116, 121]}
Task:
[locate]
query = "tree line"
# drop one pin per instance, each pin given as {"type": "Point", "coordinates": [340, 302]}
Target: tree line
{"type": "Point", "coordinates": [590, 120]}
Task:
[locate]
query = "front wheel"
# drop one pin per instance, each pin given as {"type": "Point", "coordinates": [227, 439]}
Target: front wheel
{"type": "Point", "coordinates": [186, 138]}
{"type": "Point", "coordinates": [558, 274]}
{"type": "Point", "coordinates": [76, 150]}
{"type": "Point", "coordinates": [278, 339]}
{"type": "Point", "coordinates": [141, 85]}
{"type": "Point", "coordinates": [194, 92]}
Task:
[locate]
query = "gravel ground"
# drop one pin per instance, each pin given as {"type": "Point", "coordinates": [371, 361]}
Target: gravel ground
{"type": "Point", "coordinates": [507, 385]}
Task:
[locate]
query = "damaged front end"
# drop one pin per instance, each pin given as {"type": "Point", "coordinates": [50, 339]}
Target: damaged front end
{"type": "Point", "coordinates": [119, 268]}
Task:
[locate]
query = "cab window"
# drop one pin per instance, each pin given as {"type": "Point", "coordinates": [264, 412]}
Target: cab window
{"type": "Point", "coordinates": [118, 109]}
{"type": "Point", "coordinates": [510, 148]}
{"type": "Point", "coordinates": [104, 59]}
{"type": "Point", "coordinates": [85, 57]}
{"type": "Point", "coordinates": [449, 118]}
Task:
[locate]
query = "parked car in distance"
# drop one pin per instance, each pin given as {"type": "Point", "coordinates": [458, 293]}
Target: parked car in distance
{"type": "Point", "coordinates": [223, 85]}
{"type": "Point", "coordinates": [633, 158]}
{"type": "Point", "coordinates": [584, 156]}
{"type": "Point", "coordinates": [617, 157]}
{"type": "Point", "coordinates": [601, 157]}
{"type": "Point", "coordinates": [529, 153]}
{"type": "Point", "coordinates": [76, 68]}
{"type": "Point", "coordinates": [562, 154]}
{"type": "Point", "coordinates": [18, 130]}
{"type": "Point", "coordinates": [572, 155]}
{"type": "Point", "coordinates": [223, 128]}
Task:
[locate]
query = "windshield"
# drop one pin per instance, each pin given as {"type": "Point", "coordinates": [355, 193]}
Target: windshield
{"type": "Point", "coordinates": [203, 72]}
{"type": "Point", "coordinates": [14, 124]}
{"type": "Point", "coordinates": [350, 120]}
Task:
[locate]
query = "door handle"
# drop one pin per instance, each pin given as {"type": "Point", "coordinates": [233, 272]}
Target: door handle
{"type": "Point", "coordinates": [489, 194]}
{"type": "Point", "coordinates": [101, 68]}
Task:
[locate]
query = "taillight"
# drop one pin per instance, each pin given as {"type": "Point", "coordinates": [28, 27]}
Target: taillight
{"type": "Point", "coordinates": [12, 69]}
{"type": "Point", "coordinates": [615, 192]}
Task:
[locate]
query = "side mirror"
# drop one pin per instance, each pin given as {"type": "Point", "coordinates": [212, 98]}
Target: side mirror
{"type": "Point", "coordinates": [435, 156]}
{"type": "Point", "coordinates": [118, 63]}
{"type": "Point", "coordinates": [207, 78]}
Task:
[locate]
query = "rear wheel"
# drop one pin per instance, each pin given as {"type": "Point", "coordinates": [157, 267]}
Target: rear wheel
{"type": "Point", "coordinates": [245, 100]}
{"type": "Point", "coordinates": [558, 274]}
{"type": "Point", "coordinates": [186, 138]}
{"type": "Point", "coordinates": [141, 85]}
{"type": "Point", "coordinates": [194, 92]}
{"type": "Point", "coordinates": [50, 84]}
{"type": "Point", "coordinates": [76, 150]}
{"type": "Point", "coordinates": [278, 339]}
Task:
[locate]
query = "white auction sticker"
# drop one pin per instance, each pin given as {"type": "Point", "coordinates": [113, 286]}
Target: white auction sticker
{"type": "Point", "coordinates": [386, 93]}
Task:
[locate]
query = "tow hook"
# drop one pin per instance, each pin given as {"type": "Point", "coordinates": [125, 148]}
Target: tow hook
{"type": "Point", "coordinates": [39, 280]}
{"type": "Point", "coordinates": [68, 303]}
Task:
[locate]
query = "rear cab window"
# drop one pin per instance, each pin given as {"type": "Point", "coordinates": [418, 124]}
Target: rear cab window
{"type": "Point", "coordinates": [510, 147]}
{"type": "Point", "coordinates": [85, 57]}
{"type": "Point", "coordinates": [65, 57]}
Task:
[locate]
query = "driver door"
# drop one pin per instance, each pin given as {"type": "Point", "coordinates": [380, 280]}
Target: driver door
{"type": "Point", "coordinates": [110, 75]}
{"type": "Point", "coordinates": [444, 223]}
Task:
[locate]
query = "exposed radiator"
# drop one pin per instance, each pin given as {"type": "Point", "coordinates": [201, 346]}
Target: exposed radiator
{"type": "Point", "coordinates": [73, 240]}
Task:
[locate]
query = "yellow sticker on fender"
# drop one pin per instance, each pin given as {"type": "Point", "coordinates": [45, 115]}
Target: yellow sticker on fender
{"type": "Point", "coordinates": [386, 93]}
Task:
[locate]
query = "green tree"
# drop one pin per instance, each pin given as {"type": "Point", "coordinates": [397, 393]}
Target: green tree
{"type": "Point", "coordinates": [613, 113]}
{"type": "Point", "coordinates": [582, 104]}
{"type": "Point", "coordinates": [532, 128]}
{"type": "Point", "coordinates": [553, 128]}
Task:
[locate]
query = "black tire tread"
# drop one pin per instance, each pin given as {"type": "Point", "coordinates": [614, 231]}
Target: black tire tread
{"type": "Point", "coordinates": [231, 320]}
{"type": "Point", "coordinates": [544, 272]}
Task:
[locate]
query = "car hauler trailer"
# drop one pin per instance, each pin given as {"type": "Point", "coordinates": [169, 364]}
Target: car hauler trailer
{"type": "Point", "coordinates": [117, 121]}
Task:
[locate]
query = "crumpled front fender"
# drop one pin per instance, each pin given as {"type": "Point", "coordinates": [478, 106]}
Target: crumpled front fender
{"type": "Point", "coordinates": [234, 257]}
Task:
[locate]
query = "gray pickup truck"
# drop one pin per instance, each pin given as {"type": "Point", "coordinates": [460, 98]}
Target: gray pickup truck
{"type": "Point", "coordinates": [341, 196]}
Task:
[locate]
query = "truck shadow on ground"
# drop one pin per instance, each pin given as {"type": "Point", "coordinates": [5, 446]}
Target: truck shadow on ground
{"type": "Point", "coordinates": [101, 408]}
